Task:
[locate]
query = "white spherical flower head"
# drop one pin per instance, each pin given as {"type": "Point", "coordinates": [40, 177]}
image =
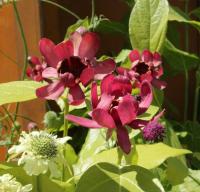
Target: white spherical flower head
{"type": "Point", "coordinates": [41, 152]}
{"type": "Point", "coordinates": [9, 184]}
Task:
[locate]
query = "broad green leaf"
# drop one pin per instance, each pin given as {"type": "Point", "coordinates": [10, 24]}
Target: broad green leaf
{"type": "Point", "coordinates": [122, 56]}
{"type": "Point", "coordinates": [112, 178]}
{"type": "Point", "coordinates": [148, 156]}
{"type": "Point", "coordinates": [94, 142]}
{"type": "Point", "coordinates": [148, 24]}
{"type": "Point", "coordinates": [176, 14]}
{"type": "Point", "coordinates": [176, 171]}
{"type": "Point", "coordinates": [150, 113]}
{"type": "Point", "coordinates": [191, 183]}
{"type": "Point", "coordinates": [196, 12]}
{"type": "Point", "coordinates": [18, 91]}
{"type": "Point", "coordinates": [40, 183]}
{"type": "Point", "coordinates": [107, 26]}
{"type": "Point", "coordinates": [177, 59]}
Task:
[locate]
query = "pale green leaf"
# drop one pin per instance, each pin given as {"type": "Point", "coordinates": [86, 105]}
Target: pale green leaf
{"type": "Point", "coordinates": [107, 177]}
{"type": "Point", "coordinates": [148, 24]}
{"type": "Point", "coordinates": [191, 183]}
{"type": "Point", "coordinates": [175, 14]}
{"type": "Point", "coordinates": [18, 91]}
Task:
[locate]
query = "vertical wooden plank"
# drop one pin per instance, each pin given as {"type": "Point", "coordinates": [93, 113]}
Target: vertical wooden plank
{"type": "Point", "coordinates": [11, 45]}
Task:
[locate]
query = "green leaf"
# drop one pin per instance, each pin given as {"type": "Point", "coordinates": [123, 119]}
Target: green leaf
{"type": "Point", "coordinates": [79, 23]}
{"type": "Point", "coordinates": [196, 12]}
{"type": "Point", "coordinates": [122, 56]}
{"type": "Point", "coordinates": [108, 177]}
{"type": "Point", "coordinates": [94, 142]}
{"type": "Point", "coordinates": [18, 91]}
{"type": "Point", "coordinates": [191, 183]}
{"type": "Point", "coordinates": [148, 156]}
{"type": "Point", "coordinates": [176, 14]}
{"type": "Point", "coordinates": [107, 26]}
{"type": "Point", "coordinates": [178, 59]}
{"type": "Point", "coordinates": [150, 113]}
{"type": "Point", "coordinates": [176, 171]}
{"type": "Point", "coordinates": [40, 183]}
{"type": "Point", "coordinates": [148, 24]}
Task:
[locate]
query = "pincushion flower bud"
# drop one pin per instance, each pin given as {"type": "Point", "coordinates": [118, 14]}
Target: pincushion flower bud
{"type": "Point", "coordinates": [40, 152]}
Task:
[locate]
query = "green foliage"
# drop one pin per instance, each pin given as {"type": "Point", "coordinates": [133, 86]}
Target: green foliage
{"type": "Point", "coordinates": [18, 91]}
{"type": "Point", "coordinates": [177, 59]}
{"type": "Point", "coordinates": [112, 178]}
{"type": "Point", "coordinates": [148, 24]}
{"type": "Point", "coordinates": [41, 183]}
{"type": "Point", "coordinates": [191, 183]}
{"type": "Point", "coordinates": [196, 12]}
{"type": "Point", "coordinates": [175, 14]}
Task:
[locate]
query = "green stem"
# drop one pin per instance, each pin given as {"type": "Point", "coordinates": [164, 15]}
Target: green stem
{"type": "Point", "coordinates": [186, 72]}
{"type": "Point", "coordinates": [25, 49]}
{"type": "Point", "coordinates": [196, 102]}
{"type": "Point", "coordinates": [93, 12]}
{"type": "Point", "coordinates": [63, 8]}
{"type": "Point", "coordinates": [66, 111]}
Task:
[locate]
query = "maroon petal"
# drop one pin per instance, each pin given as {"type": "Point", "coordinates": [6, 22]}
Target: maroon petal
{"type": "Point", "coordinates": [103, 68]}
{"type": "Point", "coordinates": [147, 56]}
{"type": "Point", "coordinates": [146, 96]}
{"type": "Point", "coordinates": [47, 50]}
{"type": "Point", "coordinates": [127, 109]}
{"type": "Point", "coordinates": [89, 45]}
{"type": "Point", "coordinates": [94, 95]}
{"type": "Point", "coordinates": [76, 38]}
{"type": "Point", "coordinates": [83, 121]}
{"type": "Point", "coordinates": [120, 86]}
{"type": "Point", "coordinates": [105, 84]}
{"type": "Point", "coordinates": [134, 56]}
{"type": "Point", "coordinates": [34, 60]}
{"type": "Point", "coordinates": [87, 76]}
{"type": "Point", "coordinates": [105, 101]}
{"type": "Point", "coordinates": [138, 123]}
{"type": "Point", "coordinates": [122, 71]}
{"type": "Point", "coordinates": [158, 115]}
{"type": "Point", "coordinates": [64, 50]}
{"type": "Point", "coordinates": [159, 84]}
{"type": "Point", "coordinates": [50, 72]}
{"type": "Point", "coordinates": [52, 91]}
{"type": "Point", "coordinates": [157, 60]}
{"type": "Point", "coordinates": [68, 79]}
{"type": "Point", "coordinates": [123, 139]}
{"type": "Point", "coordinates": [76, 95]}
{"type": "Point", "coordinates": [103, 118]}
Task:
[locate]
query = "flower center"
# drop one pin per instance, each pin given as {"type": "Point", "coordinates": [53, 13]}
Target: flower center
{"type": "Point", "coordinates": [142, 68]}
{"type": "Point", "coordinates": [44, 145]}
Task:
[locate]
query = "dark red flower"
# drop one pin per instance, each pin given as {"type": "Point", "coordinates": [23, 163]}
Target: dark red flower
{"type": "Point", "coordinates": [70, 63]}
{"type": "Point", "coordinates": [116, 107]}
{"type": "Point", "coordinates": [147, 67]}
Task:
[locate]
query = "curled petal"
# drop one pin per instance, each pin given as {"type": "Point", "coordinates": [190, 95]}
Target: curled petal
{"type": "Point", "coordinates": [50, 72]}
{"type": "Point", "coordinates": [64, 50]}
{"type": "Point", "coordinates": [105, 84]}
{"type": "Point", "coordinates": [76, 95]}
{"type": "Point", "coordinates": [123, 139]}
{"type": "Point", "coordinates": [134, 56]}
{"type": "Point", "coordinates": [157, 117]}
{"type": "Point", "coordinates": [157, 60]}
{"type": "Point", "coordinates": [47, 50]}
{"type": "Point", "coordinates": [103, 68]}
{"type": "Point", "coordinates": [34, 60]}
{"type": "Point", "coordinates": [52, 91]}
{"type": "Point", "coordinates": [87, 76]}
{"type": "Point", "coordinates": [127, 109]}
{"type": "Point", "coordinates": [89, 45]}
{"type": "Point", "coordinates": [120, 86]}
{"type": "Point", "coordinates": [94, 95]}
{"type": "Point", "coordinates": [83, 121]}
{"type": "Point", "coordinates": [138, 123]}
{"type": "Point", "coordinates": [146, 96]}
{"type": "Point", "coordinates": [105, 101]}
{"type": "Point", "coordinates": [147, 57]}
{"type": "Point", "coordinates": [103, 118]}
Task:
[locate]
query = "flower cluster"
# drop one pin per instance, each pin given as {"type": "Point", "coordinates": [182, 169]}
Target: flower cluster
{"type": "Point", "coordinates": [116, 107]}
{"type": "Point", "coordinates": [40, 152]}
{"type": "Point", "coordinates": [9, 184]}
